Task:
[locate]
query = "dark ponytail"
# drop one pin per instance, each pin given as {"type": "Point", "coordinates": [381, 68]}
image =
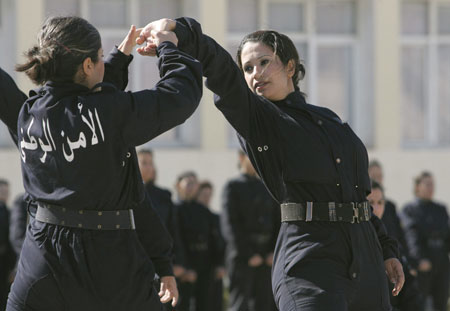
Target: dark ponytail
{"type": "Point", "coordinates": [63, 44]}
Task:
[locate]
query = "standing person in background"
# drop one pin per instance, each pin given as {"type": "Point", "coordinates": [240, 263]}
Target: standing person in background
{"type": "Point", "coordinates": [162, 201]}
{"type": "Point", "coordinates": [197, 237]}
{"type": "Point", "coordinates": [427, 233]}
{"type": "Point", "coordinates": [204, 195]}
{"type": "Point", "coordinates": [390, 217]}
{"type": "Point", "coordinates": [7, 257]}
{"type": "Point", "coordinates": [410, 298]}
{"type": "Point", "coordinates": [250, 221]}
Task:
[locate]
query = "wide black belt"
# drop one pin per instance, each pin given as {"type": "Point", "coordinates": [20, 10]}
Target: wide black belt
{"type": "Point", "coordinates": [85, 219]}
{"type": "Point", "coordinates": [353, 212]}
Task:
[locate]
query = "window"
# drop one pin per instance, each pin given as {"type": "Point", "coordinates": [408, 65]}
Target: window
{"type": "Point", "coordinates": [425, 72]}
{"type": "Point", "coordinates": [113, 19]}
{"type": "Point", "coordinates": [329, 35]}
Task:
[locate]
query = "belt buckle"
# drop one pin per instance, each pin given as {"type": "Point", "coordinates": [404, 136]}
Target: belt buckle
{"type": "Point", "coordinates": [309, 211]}
{"type": "Point", "coordinates": [355, 218]}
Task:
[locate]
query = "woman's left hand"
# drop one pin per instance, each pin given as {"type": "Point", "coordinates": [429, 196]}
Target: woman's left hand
{"type": "Point", "coordinates": [129, 42]}
{"type": "Point", "coordinates": [394, 271]}
{"type": "Point", "coordinates": [169, 290]}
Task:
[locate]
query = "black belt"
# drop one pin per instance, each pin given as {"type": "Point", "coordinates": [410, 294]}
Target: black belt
{"type": "Point", "coordinates": [353, 212]}
{"type": "Point", "coordinates": [85, 219]}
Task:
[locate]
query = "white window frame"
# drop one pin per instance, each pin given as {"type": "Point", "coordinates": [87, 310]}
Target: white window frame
{"type": "Point", "coordinates": [360, 111]}
{"type": "Point", "coordinates": [431, 41]}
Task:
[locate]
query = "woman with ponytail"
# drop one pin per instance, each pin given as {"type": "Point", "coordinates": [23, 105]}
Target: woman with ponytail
{"type": "Point", "coordinates": [76, 136]}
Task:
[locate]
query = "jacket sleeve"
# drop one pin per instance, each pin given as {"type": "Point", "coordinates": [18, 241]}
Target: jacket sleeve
{"type": "Point", "coordinates": [233, 228]}
{"type": "Point", "coordinates": [11, 101]}
{"type": "Point", "coordinates": [389, 246]}
{"type": "Point", "coordinates": [154, 237]}
{"type": "Point", "coordinates": [146, 114]}
{"type": "Point", "coordinates": [116, 68]}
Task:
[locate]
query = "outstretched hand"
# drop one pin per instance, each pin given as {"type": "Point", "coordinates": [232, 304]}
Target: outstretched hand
{"type": "Point", "coordinates": [155, 33]}
{"type": "Point", "coordinates": [169, 290]}
{"type": "Point", "coordinates": [129, 42]}
{"type": "Point", "coordinates": [394, 271]}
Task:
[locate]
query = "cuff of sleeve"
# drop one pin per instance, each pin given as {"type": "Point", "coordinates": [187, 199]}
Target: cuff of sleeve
{"type": "Point", "coordinates": [165, 46]}
{"type": "Point", "coordinates": [182, 32]}
{"type": "Point", "coordinates": [117, 58]}
{"type": "Point", "coordinates": [163, 268]}
{"type": "Point", "coordinates": [390, 253]}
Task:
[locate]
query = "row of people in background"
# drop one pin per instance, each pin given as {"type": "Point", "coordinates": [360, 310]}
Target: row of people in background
{"type": "Point", "coordinates": [423, 233]}
{"type": "Point", "coordinates": [248, 226]}
{"type": "Point", "coordinates": [240, 242]}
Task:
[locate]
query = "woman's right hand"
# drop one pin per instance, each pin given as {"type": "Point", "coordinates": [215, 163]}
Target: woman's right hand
{"type": "Point", "coordinates": [155, 39]}
{"type": "Point", "coordinates": [149, 49]}
{"type": "Point", "coordinates": [424, 265]}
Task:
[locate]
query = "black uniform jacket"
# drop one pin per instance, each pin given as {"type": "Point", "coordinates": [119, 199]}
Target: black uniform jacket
{"type": "Point", "coordinates": [427, 230]}
{"type": "Point", "coordinates": [196, 226]}
{"type": "Point", "coordinates": [148, 112]}
{"type": "Point", "coordinates": [301, 152]}
{"type": "Point", "coordinates": [250, 218]}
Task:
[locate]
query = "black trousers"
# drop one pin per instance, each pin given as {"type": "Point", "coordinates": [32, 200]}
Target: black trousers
{"type": "Point", "coordinates": [215, 295]}
{"type": "Point", "coordinates": [436, 283]}
{"type": "Point", "coordinates": [250, 288]}
{"type": "Point", "coordinates": [73, 269]}
{"type": "Point", "coordinates": [194, 296]}
{"type": "Point", "coordinates": [322, 266]}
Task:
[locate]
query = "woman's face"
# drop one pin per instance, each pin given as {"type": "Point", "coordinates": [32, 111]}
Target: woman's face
{"type": "Point", "coordinates": [264, 72]}
{"type": "Point", "coordinates": [425, 189]}
{"type": "Point", "coordinates": [376, 200]}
